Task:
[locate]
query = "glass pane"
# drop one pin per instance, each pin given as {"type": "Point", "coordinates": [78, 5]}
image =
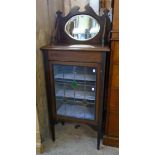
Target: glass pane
{"type": "Point", "coordinates": [79, 73]}
{"type": "Point", "coordinates": [90, 92]}
{"type": "Point", "coordinates": [68, 72]}
{"type": "Point", "coordinates": [58, 72]}
{"type": "Point", "coordinates": [91, 74]}
{"type": "Point", "coordinates": [82, 27]}
{"type": "Point", "coordinates": [75, 91]}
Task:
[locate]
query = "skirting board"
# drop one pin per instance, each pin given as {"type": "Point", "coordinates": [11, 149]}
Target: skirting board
{"type": "Point", "coordinates": [110, 141]}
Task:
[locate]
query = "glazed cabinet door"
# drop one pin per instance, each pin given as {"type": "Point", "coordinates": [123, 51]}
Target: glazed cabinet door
{"type": "Point", "coordinates": [75, 90]}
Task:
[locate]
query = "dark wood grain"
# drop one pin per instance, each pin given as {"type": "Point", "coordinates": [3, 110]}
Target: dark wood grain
{"type": "Point", "coordinates": [49, 93]}
{"type": "Point", "coordinates": [115, 76]}
{"type": "Point", "coordinates": [79, 57]}
{"type": "Point", "coordinates": [114, 101]}
{"type": "Point", "coordinates": [113, 121]}
{"type": "Point", "coordinates": [111, 141]}
{"type": "Point", "coordinates": [74, 56]}
{"type": "Point", "coordinates": [111, 136]}
{"type": "Point", "coordinates": [76, 47]}
{"type": "Point", "coordinates": [116, 52]}
{"type": "Point", "coordinates": [104, 22]}
{"type": "Point", "coordinates": [89, 53]}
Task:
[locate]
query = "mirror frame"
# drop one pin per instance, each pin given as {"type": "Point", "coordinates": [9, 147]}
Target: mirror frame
{"type": "Point", "coordinates": [61, 37]}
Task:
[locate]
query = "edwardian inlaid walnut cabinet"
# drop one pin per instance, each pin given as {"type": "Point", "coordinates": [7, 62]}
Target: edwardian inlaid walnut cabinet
{"type": "Point", "coordinates": [76, 69]}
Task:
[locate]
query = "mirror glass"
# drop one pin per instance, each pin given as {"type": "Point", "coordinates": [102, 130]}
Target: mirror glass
{"type": "Point", "coordinates": [82, 27]}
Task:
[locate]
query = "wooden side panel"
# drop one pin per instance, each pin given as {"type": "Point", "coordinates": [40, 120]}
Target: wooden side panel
{"type": "Point", "coordinates": [112, 141]}
{"type": "Point", "coordinates": [111, 136]}
{"type": "Point", "coordinates": [114, 101]}
{"type": "Point", "coordinates": [116, 53]}
{"type": "Point", "coordinates": [115, 76]}
{"type": "Point", "coordinates": [113, 128]}
{"type": "Point", "coordinates": [116, 15]}
{"type": "Point", "coordinates": [112, 121]}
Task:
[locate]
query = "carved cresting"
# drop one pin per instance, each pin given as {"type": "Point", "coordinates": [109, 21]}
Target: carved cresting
{"type": "Point", "coordinates": [103, 37]}
{"type": "Point", "coordinates": [57, 30]}
{"type": "Point", "coordinates": [108, 27]}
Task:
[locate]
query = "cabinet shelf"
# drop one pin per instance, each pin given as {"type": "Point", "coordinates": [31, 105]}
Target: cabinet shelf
{"type": "Point", "coordinates": [80, 77]}
{"type": "Point", "coordinates": [87, 83]}
{"type": "Point", "coordinates": [75, 91]}
{"type": "Point", "coordinates": [83, 95]}
{"type": "Point", "coordinates": [76, 111]}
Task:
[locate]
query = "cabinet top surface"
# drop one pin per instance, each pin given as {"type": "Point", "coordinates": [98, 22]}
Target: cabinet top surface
{"type": "Point", "coordinates": [77, 47]}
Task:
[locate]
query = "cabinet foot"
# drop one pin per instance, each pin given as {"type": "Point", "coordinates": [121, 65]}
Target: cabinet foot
{"type": "Point", "coordinates": [98, 141]}
{"type": "Point", "coordinates": [77, 126]}
{"type": "Point", "coordinates": [62, 122]}
{"type": "Point", "coordinates": [53, 131]}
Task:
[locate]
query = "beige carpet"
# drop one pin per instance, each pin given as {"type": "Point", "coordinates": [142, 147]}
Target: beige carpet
{"type": "Point", "coordinates": [71, 141]}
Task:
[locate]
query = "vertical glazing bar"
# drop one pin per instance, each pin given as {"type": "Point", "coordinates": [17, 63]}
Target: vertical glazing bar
{"type": "Point", "coordinates": [64, 101]}
{"type": "Point", "coordinates": [74, 80]}
{"type": "Point", "coordinates": [85, 69]}
{"type": "Point", "coordinates": [74, 71]}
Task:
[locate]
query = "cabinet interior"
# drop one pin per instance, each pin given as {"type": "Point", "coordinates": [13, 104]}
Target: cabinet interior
{"type": "Point", "coordinates": [75, 91]}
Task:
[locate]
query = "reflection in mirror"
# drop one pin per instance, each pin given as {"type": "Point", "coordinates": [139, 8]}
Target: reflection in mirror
{"type": "Point", "coordinates": [82, 27]}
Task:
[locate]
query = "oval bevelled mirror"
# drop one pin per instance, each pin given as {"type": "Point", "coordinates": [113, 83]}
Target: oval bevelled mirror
{"type": "Point", "coordinates": [82, 27]}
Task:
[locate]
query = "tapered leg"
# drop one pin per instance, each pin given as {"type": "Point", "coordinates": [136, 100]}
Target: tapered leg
{"type": "Point", "coordinates": [98, 139]}
{"type": "Point", "coordinates": [77, 126]}
{"type": "Point", "coordinates": [62, 122]}
{"type": "Point", "coordinates": [102, 101]}
{"type": "Point", "coordinates": [53, 131]}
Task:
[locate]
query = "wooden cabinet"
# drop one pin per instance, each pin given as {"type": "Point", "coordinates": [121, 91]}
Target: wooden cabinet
{"type": "Point", "coordinates": [111, 136]}
{"type": "Point", "coordinates": [76, 69]}
{"type": "Point", "coordinates": [75, 79]}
